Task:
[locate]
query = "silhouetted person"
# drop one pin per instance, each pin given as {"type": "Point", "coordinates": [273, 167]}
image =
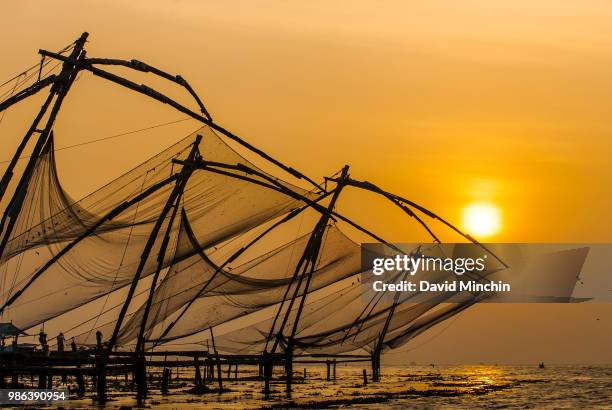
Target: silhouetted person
{"type": "Point", "coordinates": [42, 339]}
{"type": "Point", "coordinates": [60, 342]}
{"type": "Point", "coordinates": [73, 345]}
{"type": "Point", "coordinates": [60, 348]}
{"type": "Point", "coordinates": [99, 340]}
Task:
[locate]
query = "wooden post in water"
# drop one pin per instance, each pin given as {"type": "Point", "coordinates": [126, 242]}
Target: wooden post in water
{"type": "Point", "coordinates": [165, 381]}
{"type": "Point", "coordinates": [327, 365]}
{"type": "Point", "coordinates": [79, 375]}
{"type": "Point", "coordinates": [42, 376]}
{"type": "Point", "coordinates": [267, 370]}
{"type": "Point", "coordinates": [218, 359]}
{"type": "Point", "coordinates": [236, 371]}
{"type": "Point", "coordinates": [60, 349]}
{"type": "Point", "coordinates": [289, 367]}
{"type": "Point", "coordinates": [304, 374]}
{"type": "Point", "coordinates": [100, 369]}
{"type": "Point", "coordinates": [365, 377]}
{"type": "Point", "coordinates": [140, 373]}
{"type": "Point", "coordinates": [197, 380]}
{"type": "Point", "coordinates": [335, 362]}
{"type": "Point", "coordinates": [219, 375]}
{"type": "Point", "coordinates": [376, 365]}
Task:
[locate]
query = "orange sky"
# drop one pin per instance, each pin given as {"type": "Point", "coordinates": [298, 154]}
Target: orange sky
{"type": "Point", "coordinates": [443, 102]}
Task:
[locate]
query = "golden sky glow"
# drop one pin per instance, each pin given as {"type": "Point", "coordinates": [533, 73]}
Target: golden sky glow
{"type": "Point", "coordinates": [447, 103]}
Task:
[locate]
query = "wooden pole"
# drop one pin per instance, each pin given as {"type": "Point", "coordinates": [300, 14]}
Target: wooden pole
{"type": "Point", "coordinates": [198, 376]}
{"type": "Point", "coordinates": [79, 375]}
{"type": "Point", "coordinates": [140, 361]}
{"type": "Point", "coordinates": [289, 368]}
{"type": "Point", "coordinates": [61, 84]}
{"type": "Point", "coordinates": [365, 377]}
{"type": "Point", "coordinates": [165, 381]}
{"type": "Point", "coordinates": [100, 369]}
{"type": "Point", "coordinates": [219, 376]}
{"type": "Point", "coordinates": [334, 369]}
{"type": "Point", "coordinates": [70, 69]}
{"type": "Point", "coordinates": [376, 365]}
{"type": "Point", "coordinates": [218, 359]}
{"type": "Point", "coordinates": [173, 201]}
{"type": "Point", "coordinates": [140, 346]}
{"type": "Point", "coordinates": [267, 368]}
{"type": "Point", "coordinates": [178, 187]}
{"type": "Point", "coordinates": [306, 265]}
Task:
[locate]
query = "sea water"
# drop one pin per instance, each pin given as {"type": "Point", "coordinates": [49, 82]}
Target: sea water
{"type": "Point", "coordinates": [461, 387]}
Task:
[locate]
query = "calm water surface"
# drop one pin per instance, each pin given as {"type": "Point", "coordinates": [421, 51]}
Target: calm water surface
{"type": "Point", "coordinates": [446, 387]}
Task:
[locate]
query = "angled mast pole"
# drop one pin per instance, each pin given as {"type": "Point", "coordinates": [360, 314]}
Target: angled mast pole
{"type": "Point", "coordinates": [307, 264]}
{"type": "Point", "coordinates": [29, 91]}
{"type": "Point", "coordinates": [317, 248]}
{"type": "Point", "coordinates": [140, 344]}
{"type": "Point", "coordinates": [178, 188]}
{"type": "Point", "coordinates": [381, 338]}
{"type": "Point", "coordinates": [10, 169]}
{"type": "Point", "coordinates": [60, 88]}
{"type": "Point", "coordinates": [140, 365]}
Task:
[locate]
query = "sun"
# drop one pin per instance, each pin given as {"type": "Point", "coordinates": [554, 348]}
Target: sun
{"type": "Point", "coordinates": [481, 219]}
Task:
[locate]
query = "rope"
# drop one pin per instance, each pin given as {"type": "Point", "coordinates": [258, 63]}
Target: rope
{"type": "Point", "coordinates": [10, 94]}
{"type": "Point", "coordinates": [123, 134]}
{"type": "Point", "coordinates": [63, 50]}
{"type": "Point", "coordinates": [27, 77]}
{"type": "Point", "coordinates": [444, 329]}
